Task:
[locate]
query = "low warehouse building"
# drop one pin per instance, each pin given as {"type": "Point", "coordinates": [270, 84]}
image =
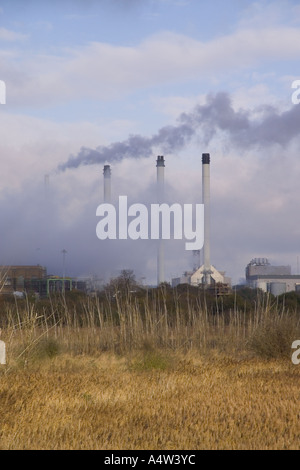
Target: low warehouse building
{"type": "Point", "coordinates": [13, 278]}
{"type": "Point", "coordinates": [260, 274]}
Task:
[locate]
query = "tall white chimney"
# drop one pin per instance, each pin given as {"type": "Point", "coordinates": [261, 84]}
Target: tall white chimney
{"type": "Point", "coordinates": [206, 202]}
{"type": "Point", "coordinates": [160, 165]}
{"type": "Point", "coordinates": [107, 183]}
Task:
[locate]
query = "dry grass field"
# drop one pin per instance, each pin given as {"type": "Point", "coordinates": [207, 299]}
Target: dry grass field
{"type": "Point", "coordinates": [145, 379]}
{"type": "Point", "coordinates": [151, 402]}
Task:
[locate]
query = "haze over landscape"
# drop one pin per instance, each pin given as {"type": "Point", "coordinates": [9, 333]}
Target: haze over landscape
{"type": "Point", "coordinates": [120, 82]}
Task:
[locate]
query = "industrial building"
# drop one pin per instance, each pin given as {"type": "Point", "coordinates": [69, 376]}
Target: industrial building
{"type": "Point", "coordinates": [34, 279]}
{"type": "Point", "coordinates": [197, 277]}
{"type": "Point", "coordinates": [260, 274]}
{"type": "Point", "coordinates": [53, 284]}
{"type": "Point", "coordinates": [206, 275]}
{"type": "Point", "coordinates": [13, 278]}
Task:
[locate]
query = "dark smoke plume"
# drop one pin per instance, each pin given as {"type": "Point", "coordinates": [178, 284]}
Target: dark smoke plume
{"type": "Point", "coordinates": [216, 115]}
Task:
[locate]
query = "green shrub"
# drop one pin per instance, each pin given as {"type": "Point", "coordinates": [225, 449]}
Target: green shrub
{"type": "Point", "coordinates": [273, 338]}
{"type": "Point", "coordinates": [151, 360]}
{"type": "Point", "coordinates": [46, 349]}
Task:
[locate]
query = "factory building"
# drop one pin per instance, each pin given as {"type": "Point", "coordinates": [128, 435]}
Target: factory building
{"type": "Point", "coordinates": [260, 274]}
{"type": "Point", "coordinates": [50, 285]}
{"type": "Point", "coordinates": [206, 275]}
{"type": "Point", "coordinates": [197, 277]}
{"type": "Point", "coordinates": [18, 280]}
{"type": "Point", "coordinates": [13, 278]}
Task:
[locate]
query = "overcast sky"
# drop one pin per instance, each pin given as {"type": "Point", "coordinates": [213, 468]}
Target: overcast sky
{"type": "Point", "coordinates": [128, 80]}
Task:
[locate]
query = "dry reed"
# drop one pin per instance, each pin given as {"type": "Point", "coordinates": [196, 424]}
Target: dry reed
{"type": "Point", "coordinates": [132, 373]}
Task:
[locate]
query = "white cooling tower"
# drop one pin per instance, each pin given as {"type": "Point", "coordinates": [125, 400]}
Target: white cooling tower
{"type": "Point", "coordinates": [107, 183]}
{"type": "Point", "coordinates": [160, 165]}
{"type": "Point", "coordinates": [206, 201]}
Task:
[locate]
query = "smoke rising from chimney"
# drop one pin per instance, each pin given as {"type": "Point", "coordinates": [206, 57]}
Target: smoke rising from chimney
{"type": "Point", "coordinates": [243, 128]}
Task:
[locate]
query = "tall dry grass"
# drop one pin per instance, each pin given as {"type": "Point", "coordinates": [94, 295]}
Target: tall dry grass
{"type": "Point", "coordinates": [159, 371]}
{"type": "Point", "coordinates": [162, 321]}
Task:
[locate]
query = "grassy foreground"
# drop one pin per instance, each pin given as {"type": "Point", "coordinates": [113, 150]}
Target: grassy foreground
{"type": "Point", "coordinates": [164, 371]}
{"type": "Point", "coordinates": [150, 400]}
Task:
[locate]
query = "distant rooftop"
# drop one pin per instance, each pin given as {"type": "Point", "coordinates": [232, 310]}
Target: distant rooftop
{"type": "Point", "coordinates": [259, 262]}
{"type": "Point", "coordinates": [260, 267]}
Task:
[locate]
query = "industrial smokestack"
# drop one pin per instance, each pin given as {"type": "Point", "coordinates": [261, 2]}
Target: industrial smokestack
{"type": "Point", "coordinates": [160, 165]}
{"type": "Point", "coordinates": [206, 201]}
{"type": "Point", "coordinates": [107, 183]}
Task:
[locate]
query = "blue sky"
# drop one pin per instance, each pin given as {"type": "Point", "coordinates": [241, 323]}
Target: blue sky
{"type": "Point", "coordinates": [91, 73]}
